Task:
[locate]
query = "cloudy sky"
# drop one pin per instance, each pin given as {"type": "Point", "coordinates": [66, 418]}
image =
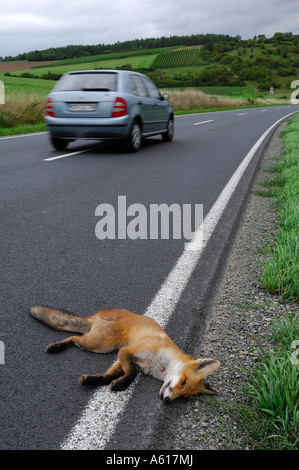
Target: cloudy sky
{"type": "Point", "coordinates": [27, 25]}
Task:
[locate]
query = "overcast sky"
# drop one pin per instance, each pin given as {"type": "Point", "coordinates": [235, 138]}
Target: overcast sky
{"type": "Point", "coordinates": [27, 25]}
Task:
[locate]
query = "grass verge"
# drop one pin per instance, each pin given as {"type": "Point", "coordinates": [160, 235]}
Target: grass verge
{"type": "Point", "coordinates": [281, 268]}
{"type": "Point", "coordinates": [270, 414]}
{"type": "Point", "coordinates": [274, 391]}
{"type": "Point", "coordinates": [22, 113]}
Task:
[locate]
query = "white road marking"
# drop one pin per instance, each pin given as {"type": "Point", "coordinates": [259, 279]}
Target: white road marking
{"type": "Point", "coordinates": [202, 122]}
{"type": "Point", "coordinates": [264, 110]}
{"type": "Point", "coordinates": [101, 415]}
{"type": "Point", "coordinates": [241, 114]}
{"type": "Point", "coordinates": [51, 159]}
{"type": "Point", "coordinates": [102, 145]}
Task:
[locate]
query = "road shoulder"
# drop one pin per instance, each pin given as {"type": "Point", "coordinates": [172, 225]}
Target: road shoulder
{"type": "Point", "coordinates": [240, 315]}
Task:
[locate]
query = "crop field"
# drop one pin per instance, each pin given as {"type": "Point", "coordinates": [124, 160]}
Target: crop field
{"type": "Point", "coordinates": [132, 61]}
{"type": "Point", "coordinates": [24, 65]}
{"type": "Point", "coordinates": [188, 57]}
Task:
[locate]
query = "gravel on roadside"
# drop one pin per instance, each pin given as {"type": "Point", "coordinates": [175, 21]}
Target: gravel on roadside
{"type": "Point", "coordinates": [239, 324]}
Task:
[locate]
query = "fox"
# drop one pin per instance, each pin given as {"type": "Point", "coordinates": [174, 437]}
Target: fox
{"type": "Point", "coordinates": [142, 344]}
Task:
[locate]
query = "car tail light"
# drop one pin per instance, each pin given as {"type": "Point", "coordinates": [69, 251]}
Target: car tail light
{"type": "Point", "coordinates": [50, 108]}
{"type": "Point", "coordinates": [119, 108]}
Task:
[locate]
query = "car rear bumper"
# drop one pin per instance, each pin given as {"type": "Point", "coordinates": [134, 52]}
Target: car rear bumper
{"type": "Point", "coordinates": [114, 128]}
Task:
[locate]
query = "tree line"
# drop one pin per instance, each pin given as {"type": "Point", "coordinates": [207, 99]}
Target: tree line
{"type": "Point", "coordinates": [72, 51]}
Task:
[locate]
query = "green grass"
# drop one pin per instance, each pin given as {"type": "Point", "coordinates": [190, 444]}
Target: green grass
{"type": "Point", "coordinates": [14, 85]}
{"type": "Point", "coordinates": [281, 268]}
{"type": "Point", "coordinates": [274, 391]}
{"type": "Point", "coordinates": [26, 129]}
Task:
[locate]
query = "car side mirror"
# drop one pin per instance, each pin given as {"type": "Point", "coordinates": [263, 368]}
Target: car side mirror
{"type": "Point", "coordinates": [165, 97]}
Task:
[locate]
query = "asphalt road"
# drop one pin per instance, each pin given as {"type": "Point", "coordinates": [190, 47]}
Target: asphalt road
{"type": "Point", "coordinates": [50, 254]}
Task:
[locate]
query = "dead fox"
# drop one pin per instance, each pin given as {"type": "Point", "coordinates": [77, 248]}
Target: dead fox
{"type": "Point", "coordinates": [143, 346]}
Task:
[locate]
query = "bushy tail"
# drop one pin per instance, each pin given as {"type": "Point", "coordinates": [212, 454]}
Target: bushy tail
{"type": "Point", "coordinates": [59, 319]}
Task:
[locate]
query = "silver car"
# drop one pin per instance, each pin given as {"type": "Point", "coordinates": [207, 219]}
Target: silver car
{"type": "Point", "coordinates": [107, 104]}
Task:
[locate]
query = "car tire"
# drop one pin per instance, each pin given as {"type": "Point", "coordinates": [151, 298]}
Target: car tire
{"type": "Point", "coordinates": [168, 135]}
{"type": "Point", "coordinates": [133, 141]}
{"type": "Point", "coordinates": [59, 144]}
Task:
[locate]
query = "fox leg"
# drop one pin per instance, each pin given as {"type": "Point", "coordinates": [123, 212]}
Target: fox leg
{"type": "Point", "coordinates": [113, 373]}
{"type": "Point", "coordinates": [80, 341]}
{"type": "Point", "coordinates": [127, 364]}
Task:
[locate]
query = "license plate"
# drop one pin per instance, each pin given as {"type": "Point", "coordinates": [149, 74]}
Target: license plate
{"type": "Point", "coordinates": [82, 107]}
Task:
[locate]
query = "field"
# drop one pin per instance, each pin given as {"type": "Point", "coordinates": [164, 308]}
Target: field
{"type": "Point", "coordinates": [24, 65]}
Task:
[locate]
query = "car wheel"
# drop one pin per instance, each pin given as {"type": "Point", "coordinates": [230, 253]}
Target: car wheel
{"type": "Point", "coordinates": [133, 142]}
{"type": "Point", "coordinates": [59, 144]}
{"type": "Point", "coordinates": [168, 135]}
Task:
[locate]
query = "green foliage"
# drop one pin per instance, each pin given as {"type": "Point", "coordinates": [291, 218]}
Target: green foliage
{"type": "Point", "coordinates": [286, 71]}
{"type": "Point", "coordinates": [275, 386]}
{"type": "Point", "coordinates": [281, 268]}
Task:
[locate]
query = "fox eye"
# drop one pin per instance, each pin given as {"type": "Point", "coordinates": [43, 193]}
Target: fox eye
{"type": "Point", "coordinates": [184, 383]}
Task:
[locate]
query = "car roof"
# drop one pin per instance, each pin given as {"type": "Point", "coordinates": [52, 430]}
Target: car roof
{"type": "Point", "coordinates": [122, 72]}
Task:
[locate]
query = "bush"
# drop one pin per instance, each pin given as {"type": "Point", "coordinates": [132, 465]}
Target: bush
{"type": "Point", "coordinates": [286, 71]}
{"type": "Point", "coordinates": [27, 75]}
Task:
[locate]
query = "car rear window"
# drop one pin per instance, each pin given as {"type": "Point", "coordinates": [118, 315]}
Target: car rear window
{"type": "Point", "coordinates": [88, 82]}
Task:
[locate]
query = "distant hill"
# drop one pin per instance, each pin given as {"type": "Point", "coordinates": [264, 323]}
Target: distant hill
{"type": "Point", "coordinates": [69, 52]}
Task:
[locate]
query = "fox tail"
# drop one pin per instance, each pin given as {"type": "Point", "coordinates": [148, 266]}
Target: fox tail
{"type": "Point", "coordinates": [60, 319]}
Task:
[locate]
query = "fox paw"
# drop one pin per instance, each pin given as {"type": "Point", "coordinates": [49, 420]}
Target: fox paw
{"type": "Point", "coordinates": [118, 385]}
{"type": "Point", "coordinates": [54, 347]}
{"type": "Point", "coordinates": [91, 380]}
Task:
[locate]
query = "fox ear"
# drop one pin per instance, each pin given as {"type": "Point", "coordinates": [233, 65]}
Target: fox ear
{"type": "Point", "coordinates": [206, 366]}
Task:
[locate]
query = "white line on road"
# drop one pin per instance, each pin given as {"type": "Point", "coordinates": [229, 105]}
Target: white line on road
{"type": "Point", "coordinates": [65, 155]}
{"type": "Point", "coordinates": [241, 114]}
{"type": "Point", "coordinates": [202, 122]}
{"type": "Point", "coordinates": [101, 415]}
{"type": "Point", "coordinates": [101, 145]}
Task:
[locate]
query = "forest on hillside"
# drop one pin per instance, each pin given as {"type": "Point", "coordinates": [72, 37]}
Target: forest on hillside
{"type": "Point", "coordinates": [72, 51]}
{"type": "Point", "coordinates": [208, 40]}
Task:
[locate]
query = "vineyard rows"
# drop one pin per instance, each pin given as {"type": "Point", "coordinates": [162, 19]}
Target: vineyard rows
{"type": "Point", "coordinates": [177, 58]}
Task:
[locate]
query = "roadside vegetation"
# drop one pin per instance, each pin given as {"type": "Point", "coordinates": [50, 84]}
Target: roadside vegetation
{"type": "Point", "coordinates": [271, 420]}
{"type": "Point", "coordinates": [281, 268]}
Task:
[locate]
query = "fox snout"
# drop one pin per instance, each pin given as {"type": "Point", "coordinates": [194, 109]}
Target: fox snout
{"type": "Point", "coordinates": [165, 392]}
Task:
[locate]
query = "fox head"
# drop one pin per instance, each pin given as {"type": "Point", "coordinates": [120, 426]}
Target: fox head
{"type": "Point", "coordinates": [189, 380]}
